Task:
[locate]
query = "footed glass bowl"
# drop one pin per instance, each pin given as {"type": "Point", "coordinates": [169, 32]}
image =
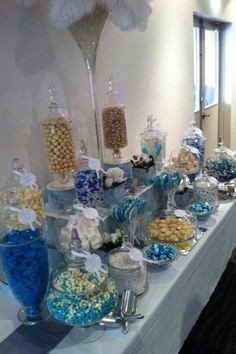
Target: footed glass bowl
{"type": "Point", "coordinates": [160, 254]}
{"type": "Point", "coordinates": [202, 210]}
{"type": "Point", "coordinates": [177, 228]}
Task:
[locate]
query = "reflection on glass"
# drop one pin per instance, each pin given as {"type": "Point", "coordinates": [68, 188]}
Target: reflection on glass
{"type": "Point", "coordinates": [211, 66]}
{"type": "Point", "coordinates": [196, 53]}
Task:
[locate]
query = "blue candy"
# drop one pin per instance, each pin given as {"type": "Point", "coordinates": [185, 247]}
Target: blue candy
{"type": "Point", "coordinates": [202, 210]}
{"type": "Point", "coordinates": [128, 209]}
{"type": "Point", "coordinates": [160, 252]}
{"type": "Point", "coordinates": [88, 187]}
{"type": "Point", "coordinates": [168, 180]}
{"type": "Point", "coordinates": [25, 264]}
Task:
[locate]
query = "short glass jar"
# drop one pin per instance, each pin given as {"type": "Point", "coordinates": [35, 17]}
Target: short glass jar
{"type": "Point", "coordinates": [205, 190]}
{"type": "Point", "coordinates": [127, 273]}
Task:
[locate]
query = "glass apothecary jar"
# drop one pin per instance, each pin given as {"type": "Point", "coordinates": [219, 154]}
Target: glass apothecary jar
{"type": "Point", "coordinates": [88, 183]}
{"type": "Point", "coordinates": [127, 272]}
{"type": "Point", "coordinates": [222, 164]}
{"type": "Point", "coordinates": [84, 225]}
{"type": "Point", "coordinates": [153, 142]}
{"type": "Point", "coordinates": [80, 298]}
{"type": "Point", "coordinates": [114, 122]}
{"type": "Point", "coordinates": [176, 227]}
{"type": "Point", "coordinates": [195, 138]}
{"type": "Point", "coordinates": [59, 142]}
{"type": "Point", "coordinates": [24, 260]}
{"type": "Point", "coordinates": [205, 190]}
{"type": "Point", "coordinates": [21, 189]}
{"type": "Point", "coordinates": [186, 161]}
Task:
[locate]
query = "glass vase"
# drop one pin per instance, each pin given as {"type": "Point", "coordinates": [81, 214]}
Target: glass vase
{"type": "Point", "coordinates": [25, 264]}
{"type": "Point", "coordinates": [171, 204]}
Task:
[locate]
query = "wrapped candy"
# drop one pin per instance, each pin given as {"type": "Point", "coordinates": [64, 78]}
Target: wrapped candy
{"type": "Point", "coordinates": [222, 164]}
{"type": "Point", "coordinates": [168, 181]}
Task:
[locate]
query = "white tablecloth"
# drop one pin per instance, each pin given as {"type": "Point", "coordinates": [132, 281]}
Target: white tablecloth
{"type": "Point", "coordinates": [175, 298]}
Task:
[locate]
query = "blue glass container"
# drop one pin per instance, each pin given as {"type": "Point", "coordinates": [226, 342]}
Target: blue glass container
{"type": "Point", "coordinates": [25, 264]}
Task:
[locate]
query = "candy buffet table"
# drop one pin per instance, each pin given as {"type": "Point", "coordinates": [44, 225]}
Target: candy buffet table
{"type": "Point", "coordinates": [172, 305]}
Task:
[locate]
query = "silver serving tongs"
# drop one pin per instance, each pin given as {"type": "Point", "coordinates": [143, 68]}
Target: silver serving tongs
{"type": "Point", "coordinates": [124, 313]}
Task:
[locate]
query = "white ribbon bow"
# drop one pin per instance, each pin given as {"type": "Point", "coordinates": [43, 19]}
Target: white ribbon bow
{"type": "Point", "coordinates": [26, 216]}
{"type": "Point", "coordinates": [93, 263]}
{"type": "Point", "coordinates": [26, 179]}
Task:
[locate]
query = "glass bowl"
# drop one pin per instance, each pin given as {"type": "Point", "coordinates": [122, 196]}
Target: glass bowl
{"type": "Point", "coordinates": [160, 254]}
{"type": "Point", "coordinates": [77, 297]}
{"type": "Point", "coordinates": [177, 228]}
{"type": "Point", "coordinates": [202, 210]}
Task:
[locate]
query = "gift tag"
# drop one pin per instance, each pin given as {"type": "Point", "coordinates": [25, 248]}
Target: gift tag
{"type": "Point", "coordinates": [91, 213]}
{"type": "Point", "coordinates": [26, 179]}
{"type": "Point", "coordinates": [26, 216]}
{"type": "Point", "coordinates": [135, 255]}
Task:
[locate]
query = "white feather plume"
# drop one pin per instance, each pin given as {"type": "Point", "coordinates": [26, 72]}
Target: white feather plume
{"type": "Point", "coordinates": [63, 13]}
{"type": "Point", "coordinates": [26, 4]}
{"type": "Point", "coordinates": [128, 14]}
{"type": "Point", "coordinates": [121, 15]}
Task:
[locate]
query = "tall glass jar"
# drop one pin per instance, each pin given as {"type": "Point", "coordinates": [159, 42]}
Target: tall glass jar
{"type": "Point", "coordinates": [205, 190]}
{"type": "Point", "coordinates": [222, 164]}
{"type": "Point", "coordinates": [186, 161]}
{"type": "Point", "coordinates": [195, 138]}
{"type": "Point", "coordinates": [59, 142]}
{"type": "Point", "coordinates": [21, 189]}
{"type": "Point", "coordinates": [24, 260]}
{"type": "Point", "coordinates": [114, 122]}
{"type": "Point", "coordinates": [153, 142]}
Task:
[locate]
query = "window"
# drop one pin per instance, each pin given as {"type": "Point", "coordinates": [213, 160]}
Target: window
{"type": "Point", "coordinates": [196, 53]}
{"type": "Point", "coordinates": [211, 94]}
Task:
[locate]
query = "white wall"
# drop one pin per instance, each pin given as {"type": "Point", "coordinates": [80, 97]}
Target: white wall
{"type": "Point", "coordinates": [153, 69]}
